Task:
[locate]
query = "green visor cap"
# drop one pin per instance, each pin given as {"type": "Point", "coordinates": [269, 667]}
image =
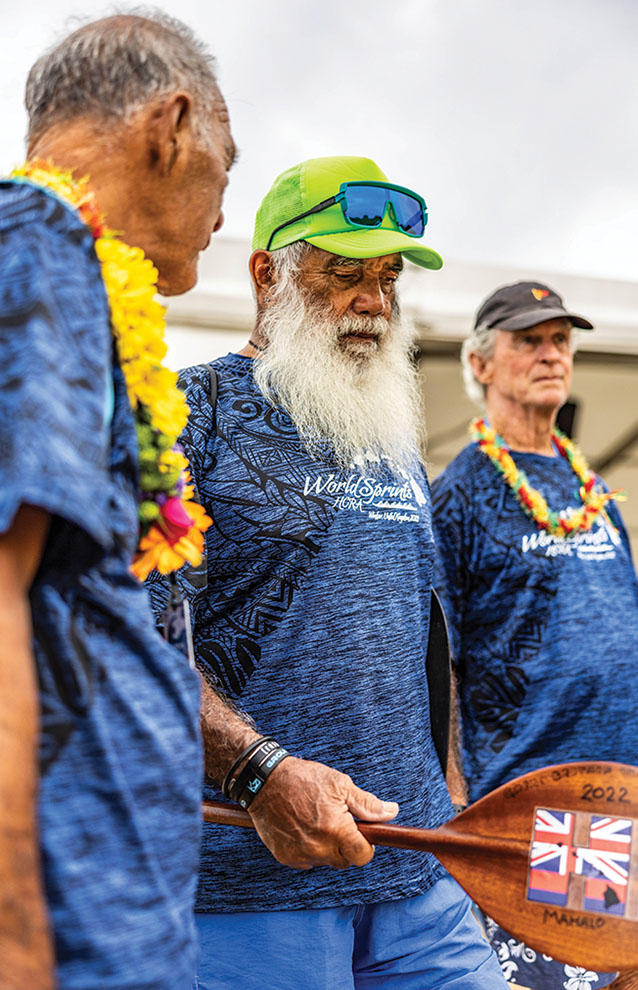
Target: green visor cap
{"type": "Point", "coordinates": [311, 182]}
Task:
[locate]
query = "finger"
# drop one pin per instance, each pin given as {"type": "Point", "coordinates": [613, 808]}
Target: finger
{"type": "Point", "coordinates": [343, 863]}
{"type": "Point", "coordinates": [320, 856]}
{"type": "Point", "coordinates": [366, 806]}
{"type": "Point", "coordinates": [354, 848]}
{"type": "Point", "coordinates": [294, 858]}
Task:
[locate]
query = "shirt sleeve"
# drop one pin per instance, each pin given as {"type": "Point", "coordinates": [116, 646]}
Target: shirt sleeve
{"type": "Point", "coordinates": [615, 515]}
{"type": "Point", "coordinates": [55, 369]}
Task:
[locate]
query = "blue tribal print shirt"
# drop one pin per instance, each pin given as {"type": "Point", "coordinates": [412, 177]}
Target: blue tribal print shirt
{"type": "Point", "coordinates": [314, 614]}
{"type": "Point", "coordinates": [544, 630]}
{"type": "Point", "coordinates": [119, 750]}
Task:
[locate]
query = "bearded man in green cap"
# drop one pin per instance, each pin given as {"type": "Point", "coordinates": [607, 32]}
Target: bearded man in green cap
{"type": "Point", "coordinates": [314, 613]}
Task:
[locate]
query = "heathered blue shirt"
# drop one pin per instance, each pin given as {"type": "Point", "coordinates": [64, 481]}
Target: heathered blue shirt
{"type": "Point", "coordinates": [544, 630]}
{"type": "Point", "coordinates": [315, 617]}
{"type": "Point", "coordinates": [119, 750]}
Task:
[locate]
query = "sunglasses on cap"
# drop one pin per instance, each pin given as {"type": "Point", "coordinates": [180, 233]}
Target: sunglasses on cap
{"type": "Point", "coordinates": [364, 205]}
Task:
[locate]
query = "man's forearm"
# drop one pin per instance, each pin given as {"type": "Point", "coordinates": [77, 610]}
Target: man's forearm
{"type": "Point", "coordinates": [26, 956]}
{"type": "Point", "coordinates": [304, 812]}
{"type": "Point", "coordinates": [225, 733]}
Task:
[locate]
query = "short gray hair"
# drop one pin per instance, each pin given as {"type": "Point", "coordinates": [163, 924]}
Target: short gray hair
{"type": "Point", "coordinates": [110, 68]}
{"type": "Point", "coordinates": [481, 341]}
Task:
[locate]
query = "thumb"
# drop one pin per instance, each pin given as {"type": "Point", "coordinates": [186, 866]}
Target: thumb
{"type": "Point", "coordinates": [366, 806]}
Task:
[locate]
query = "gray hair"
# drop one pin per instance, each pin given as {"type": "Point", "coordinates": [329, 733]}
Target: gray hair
{"type": "Point", "coordinates": [110, 68]}
{"type": "Point", "coordinates": [285, 263]}
{"type": "Point", "coordinates": [481, 341]}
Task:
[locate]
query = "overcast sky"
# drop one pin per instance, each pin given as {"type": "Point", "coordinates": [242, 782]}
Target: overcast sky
{"type": "Point", "coordinates": [517, 121]}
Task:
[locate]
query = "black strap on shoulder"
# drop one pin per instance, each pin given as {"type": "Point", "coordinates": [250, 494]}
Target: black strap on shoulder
{"type": "Point", "coordinates": [438, 668]}
{"type": "Point", "coordinates": [197, 576]}
{"type": "Point", "coordinates": [213, 392]}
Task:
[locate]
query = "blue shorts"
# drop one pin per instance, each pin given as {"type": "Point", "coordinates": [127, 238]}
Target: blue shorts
{"type": "Point", "coordinates": [418, 943]}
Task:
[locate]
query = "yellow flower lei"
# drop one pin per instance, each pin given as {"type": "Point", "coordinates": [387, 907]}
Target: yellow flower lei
{"type": "Point", "coordinates": [530, 499]}
{"type": "Point", "coordinates": [171, 524]}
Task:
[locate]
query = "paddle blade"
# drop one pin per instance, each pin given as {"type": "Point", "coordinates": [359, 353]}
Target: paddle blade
{"type": "Point", "coordinates": [565, 879]}
{"type": "Point", "coordinates": [552, 857]}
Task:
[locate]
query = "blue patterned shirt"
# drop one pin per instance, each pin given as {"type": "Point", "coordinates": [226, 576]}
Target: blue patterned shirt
{"type": "Point", "coordinates": [119, 750]}
{"type": "Point", "coordinates": [314, 614]}
{"type": "Point", "coordinates": [544, 630]}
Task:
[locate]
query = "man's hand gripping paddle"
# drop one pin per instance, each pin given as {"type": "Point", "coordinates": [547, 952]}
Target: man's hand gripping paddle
{"type": "Point", "coordinates": [551, 856]}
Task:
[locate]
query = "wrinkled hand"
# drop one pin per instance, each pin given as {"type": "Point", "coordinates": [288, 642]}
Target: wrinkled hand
{"type": "Point", "coordinates": [304, 816]}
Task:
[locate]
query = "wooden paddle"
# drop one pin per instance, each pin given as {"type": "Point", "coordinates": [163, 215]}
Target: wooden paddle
{"type": "Point", "coordinates": [551, 856]}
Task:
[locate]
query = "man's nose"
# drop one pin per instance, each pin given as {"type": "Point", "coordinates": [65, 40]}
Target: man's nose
{"type": "Point", "coordinates": [370, 300]}
{"type": "Point", "coordinates": [220, 222]}
{"type": "Point", "coordinates": [550, 351]}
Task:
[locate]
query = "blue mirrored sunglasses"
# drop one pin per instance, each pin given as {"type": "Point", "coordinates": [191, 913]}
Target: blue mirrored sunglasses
{"type": "Point", "coordinates": [364, 205]}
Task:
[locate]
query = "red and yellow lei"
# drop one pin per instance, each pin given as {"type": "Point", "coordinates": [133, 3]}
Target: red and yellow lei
{"type": "Point", "coordinates": [171, 524]}
{"type": "Point", "coordinates": [530, 499]}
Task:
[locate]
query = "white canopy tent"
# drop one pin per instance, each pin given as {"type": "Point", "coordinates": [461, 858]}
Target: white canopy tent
{"type": "Point", "coordinates": [217, 316]}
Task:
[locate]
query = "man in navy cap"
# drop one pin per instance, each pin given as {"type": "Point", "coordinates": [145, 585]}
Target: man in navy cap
{"type": "Point", "coordinates": [536, 575]}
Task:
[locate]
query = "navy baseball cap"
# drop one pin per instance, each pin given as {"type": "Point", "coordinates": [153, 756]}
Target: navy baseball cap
{"type": "Point", "coordinates": [523, 305]}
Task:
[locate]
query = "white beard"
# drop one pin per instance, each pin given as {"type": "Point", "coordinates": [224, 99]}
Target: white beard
{"type": "Point", "coordinates": [362, 398]}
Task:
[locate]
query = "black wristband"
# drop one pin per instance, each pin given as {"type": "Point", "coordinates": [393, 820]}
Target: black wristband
{"type": "Point", "coordinates": [256, 773]}
{"type": "Point", "coordinates": [262, 751]}
{"type": "Point", "coordinates": [228, 779]}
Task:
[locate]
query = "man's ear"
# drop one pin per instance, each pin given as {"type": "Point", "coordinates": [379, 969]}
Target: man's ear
{"type": "Point", "coordinates": [168, 130]}
{"type": "Point", "coordinates": [481, 367]}
{"type": "Point", "coordinates": [262, 273]}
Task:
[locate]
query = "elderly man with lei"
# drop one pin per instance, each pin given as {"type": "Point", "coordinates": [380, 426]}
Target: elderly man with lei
{"type": "Point", "coordinates": [100, 761]}
{"type": "Point", "coordinates": [538, 583]}
{"type": "Point", "coordinates": [315, 612]}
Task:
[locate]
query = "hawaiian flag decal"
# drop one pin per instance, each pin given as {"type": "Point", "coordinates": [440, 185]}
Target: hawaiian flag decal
{"type": "Point", "coordinates": [605, 862]}
{"type": "Point", "coordinates": [550, 859]}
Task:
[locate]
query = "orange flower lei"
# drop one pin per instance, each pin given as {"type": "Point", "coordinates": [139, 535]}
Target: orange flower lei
{"type": "Point", "coordinates": [530, 499]}
{"type": "Point", "coordinates": [171, 524]}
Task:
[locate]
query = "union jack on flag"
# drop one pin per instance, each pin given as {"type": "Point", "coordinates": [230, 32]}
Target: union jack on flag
{"type": "Point", "coordinates": [613, 834]}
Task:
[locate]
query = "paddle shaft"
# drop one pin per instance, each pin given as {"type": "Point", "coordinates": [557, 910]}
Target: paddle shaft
{"type": "Point", "coordinates": [490, 849]}
{"type": "Point", "coordinates": [399, 836]}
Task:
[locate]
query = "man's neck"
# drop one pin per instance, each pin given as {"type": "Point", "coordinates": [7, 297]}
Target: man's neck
{"type": "Point", "coordinates": [78, 147]}
{"type": "Point", "coordinates": [73, 146]}
{"type": "Point", "coordinates": [256, 344]}
{"type": "Point", "coordinates": [524, 428]}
